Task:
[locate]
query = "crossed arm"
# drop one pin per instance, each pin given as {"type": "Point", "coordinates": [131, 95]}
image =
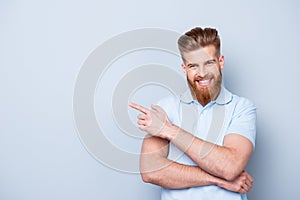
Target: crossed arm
{"type": "Point", "coordinates": [157, 169]}
{"type": "Point", "coordinates": [222, 166]}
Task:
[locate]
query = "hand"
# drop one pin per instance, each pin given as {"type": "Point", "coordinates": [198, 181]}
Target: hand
{"type": "Point", "coordinates": [242, 184]}
{"type": "Point", "coordinates": [152, 121]}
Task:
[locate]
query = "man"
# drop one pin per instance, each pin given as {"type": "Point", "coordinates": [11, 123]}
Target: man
{"type": "Point", "coordinates": [207, 162]}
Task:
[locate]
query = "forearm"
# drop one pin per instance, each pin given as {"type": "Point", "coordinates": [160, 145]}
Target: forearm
{"type": "Point", "coordinates": [177, 176]}
{"type": "Point", "coordinates": [173, 175]}
{"type": "Point", "coordinates": [227, 161]}
{"type": "Point", "coordinates": [217, 160]}
{"type": "Point", "coordinates": [157, 169]}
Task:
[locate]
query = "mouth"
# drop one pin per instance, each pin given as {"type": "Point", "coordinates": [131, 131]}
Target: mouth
{"type": "Point", "coordinates": [203, 83]}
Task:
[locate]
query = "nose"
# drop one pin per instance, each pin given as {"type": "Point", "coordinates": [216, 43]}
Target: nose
{"type": "Point", "coordinates": [201, 71]}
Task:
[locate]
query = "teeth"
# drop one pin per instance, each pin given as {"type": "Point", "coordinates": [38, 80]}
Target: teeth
{"type": "Point", "coordinates": [205, 81]}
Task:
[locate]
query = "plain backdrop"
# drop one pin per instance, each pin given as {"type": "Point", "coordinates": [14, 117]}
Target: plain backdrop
{"type": "Point", "coordinates": [43, 45]}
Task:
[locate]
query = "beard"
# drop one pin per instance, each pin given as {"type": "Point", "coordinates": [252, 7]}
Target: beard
{"type": "Point", "coordinates": [204, 95]}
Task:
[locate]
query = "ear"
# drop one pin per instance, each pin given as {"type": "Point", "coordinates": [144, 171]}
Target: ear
{"type": "Point", "coordinates": [221, 61]}
{"type": "Point", "coordinates": [183, 67]}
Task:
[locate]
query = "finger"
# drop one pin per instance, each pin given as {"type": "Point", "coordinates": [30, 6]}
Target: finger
{"type": "Point", "coordinates": [141, 122]}
{"type": "Point", "coordinates": [245, 187]}
{"type": "Point", "coordinates": [142, 117]}
{"type": "Point", "coordinates": [157, 108]}
{"type": "Point", "coordinates": [250, 178]}
{"type": "Point", "coordinates": [249, 183]}
{"type": "Point", "coordinates": [243, 191]}
{"type": "Point", "coordinates": [142, 127]}
{"type": "Point", "coordinates": [139, 108]}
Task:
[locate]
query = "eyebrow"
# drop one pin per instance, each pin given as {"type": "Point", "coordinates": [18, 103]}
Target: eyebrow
{"type": "Point", "coordinates": [211, 60]}
{"type": "Point", "coordinates": [205, 63]}
{"type": "Point", "coordinates": [192, 65]}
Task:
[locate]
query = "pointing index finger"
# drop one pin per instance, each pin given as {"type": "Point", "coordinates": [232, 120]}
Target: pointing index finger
{"type": "Point", "coordinates": [139, 108]}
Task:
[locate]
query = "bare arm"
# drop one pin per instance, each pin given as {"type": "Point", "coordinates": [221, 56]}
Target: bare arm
{"type": "Point", "coordinates": [226, 161]}
{"type": "Point", "coordinates": [157, 169]}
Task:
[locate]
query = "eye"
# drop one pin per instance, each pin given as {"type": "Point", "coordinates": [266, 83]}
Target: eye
{"type": "Point", "coordinates": [210, 63]}
{"type": "Point", "coordinates": [192, 66]}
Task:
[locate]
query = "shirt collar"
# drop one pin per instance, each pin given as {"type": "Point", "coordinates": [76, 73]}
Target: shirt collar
{"type": "Point", "coordinates": [223, 98]}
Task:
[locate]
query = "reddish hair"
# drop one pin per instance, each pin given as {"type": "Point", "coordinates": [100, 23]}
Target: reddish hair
{"type": "Point", "coordinates": [198, 38]}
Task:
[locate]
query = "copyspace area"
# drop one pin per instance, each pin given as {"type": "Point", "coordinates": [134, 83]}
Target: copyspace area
{"type": "Point", "coordinates": [43, 45]}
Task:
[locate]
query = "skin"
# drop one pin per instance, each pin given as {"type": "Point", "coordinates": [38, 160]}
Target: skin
{"type": "Point", "coordinates": [203, 65]}
{"type": "Point", "coordinates": [157, 169]}
{"type": "Point", "coordinates": [222, 165]}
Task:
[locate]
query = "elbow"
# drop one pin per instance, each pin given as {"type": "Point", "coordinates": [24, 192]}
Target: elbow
{"type": "Point", "coordinates": [146, 172]}
{"type": "Point", "coordinates": [145, 177]}
{"type": "Point", "coordinates": [148, 177]}
{"type": "Point", "coordinates": [231, 173]}
{"type": "Point", "coordinates": [230, 176]}
{"type": "Point", "coordinates": [232, 169]}
{"type": "Point", "coordinates": [150, 173]}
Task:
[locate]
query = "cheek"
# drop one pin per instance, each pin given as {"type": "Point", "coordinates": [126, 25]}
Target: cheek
{"type": "Point", "coordinates": [190, 74]}
{"type": "Point", "coordinates": [216, 71]}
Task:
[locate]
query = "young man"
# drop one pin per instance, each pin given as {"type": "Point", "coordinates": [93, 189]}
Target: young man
{"type": "Point", "coordinates": [201, 141]}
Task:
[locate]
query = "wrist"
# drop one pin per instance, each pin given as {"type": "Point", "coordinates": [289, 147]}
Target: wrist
{"type": "Point", "coordinates": [220, 182]}
{"type": "Point", "coordinates": [213, 180]}
{"type": "Point", "coordinates": [170, 131]}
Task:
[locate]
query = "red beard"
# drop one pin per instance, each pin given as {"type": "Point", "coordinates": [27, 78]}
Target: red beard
{"type": "Point", "coordinates": [204, 95]}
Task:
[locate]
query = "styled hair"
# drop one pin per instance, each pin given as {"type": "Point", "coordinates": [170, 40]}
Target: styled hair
{"type": "Point", "coordinates": [198, 38]}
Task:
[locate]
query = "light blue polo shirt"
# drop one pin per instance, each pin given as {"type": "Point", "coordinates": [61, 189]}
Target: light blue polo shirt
{"type": "Point", "coordinates": [238, 116]}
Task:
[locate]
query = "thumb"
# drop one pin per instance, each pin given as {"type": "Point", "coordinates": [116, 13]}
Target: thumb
{"type": "Point", "coordinates": [156, 108]}
{"type": "Point", "coordinates": [159, 110]}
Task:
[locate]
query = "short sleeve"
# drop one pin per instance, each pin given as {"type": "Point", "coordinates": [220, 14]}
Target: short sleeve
{"type": "Point", "coordinates": [243, 120]}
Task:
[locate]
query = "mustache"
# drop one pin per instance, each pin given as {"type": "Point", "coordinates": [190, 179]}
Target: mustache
{"type": "Point", "coordinates": [200, 78]}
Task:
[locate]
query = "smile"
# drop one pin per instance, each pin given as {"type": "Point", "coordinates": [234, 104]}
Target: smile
{"type": "Point", "coordinates": [203, 83]}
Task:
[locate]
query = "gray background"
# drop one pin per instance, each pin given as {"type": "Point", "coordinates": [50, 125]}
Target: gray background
{"type": "Point", "coordinates": [44, 43]}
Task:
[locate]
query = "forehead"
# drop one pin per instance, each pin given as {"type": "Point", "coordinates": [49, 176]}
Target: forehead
{"type": "Point", "coordinates": [200, 55]}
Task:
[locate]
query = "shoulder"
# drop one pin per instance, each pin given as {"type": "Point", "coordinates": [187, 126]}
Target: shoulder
{"type": "Point", "coordinates": [242, 104]}
{"type": "Point", "coordinates": [242, 118]}
{"type": "Point", "coordinates": [234, 102]}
